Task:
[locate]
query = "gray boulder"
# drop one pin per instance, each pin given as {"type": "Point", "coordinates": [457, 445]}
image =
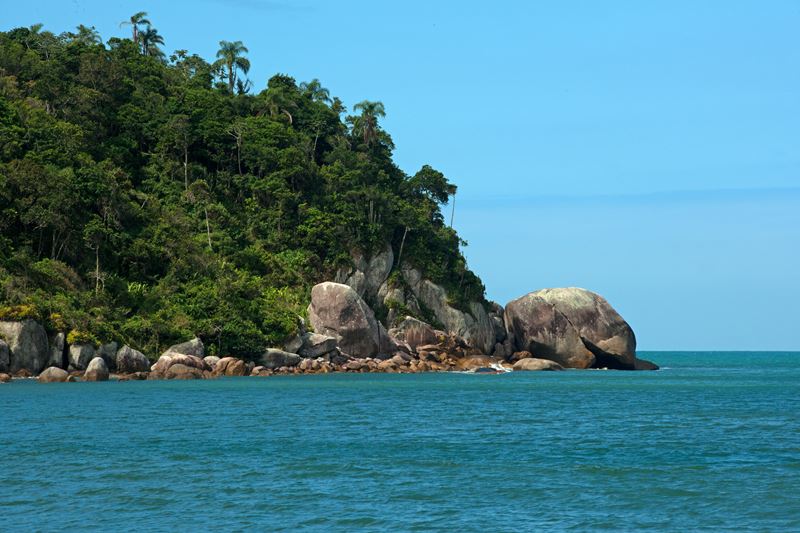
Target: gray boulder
{"type": "Point", "coordinates": [130, 361]}
{"type": "Point", "coordinates": [97, 370]}
{"type": "Point", "coordinates": [58, 350]}
{"type": "Point", "coordinates": [5, 355]}
{"type": "Point", "coordinates": [53, 374]}
{"type": "Point", "coordinates": [211, 361]}
{"type": "Point", "coordinates": [336, 310]}
{"type": "Point", "coordinates": [536, 326]}
{"type": "Point", "coordinates": [193, 347]}
{"type": "Point", "coordinates": [315, 345]}
{"type": "Point", "coordinates": [80, 355]}
{"type": "Point", "coordinates": [533, 364]}
{"type": "Point", "coordinates": [274, 358]}
{"type": "Point", "coordinates": [109, 354]}
{"type": "Point", "coordinates": [603, 331]}
{"type": "Point", "coordinates": [414, 332]}
{"type": "Point", "coordinates": [27, 345]}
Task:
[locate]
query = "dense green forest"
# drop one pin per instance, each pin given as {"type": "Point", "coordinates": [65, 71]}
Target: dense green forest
{"type": "Point", "coordinates": [146, 198]}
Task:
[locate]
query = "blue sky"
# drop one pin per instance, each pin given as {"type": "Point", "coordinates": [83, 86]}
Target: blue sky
{"type": "Point", "coordinates": [649, 151]}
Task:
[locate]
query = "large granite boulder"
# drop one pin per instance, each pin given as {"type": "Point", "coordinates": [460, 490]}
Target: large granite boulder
{"type": "Point", "coordinates": [27, 345]}
{"type": "Point", "coordinates": [533, 364]}
{"type": "Point", "coordinates": [274, 358]}
{"type": "Point", "coordinates": [573, 326]}
{"type": "Point", "coordinates": [96, 370]}
{"type": "Point", "coordinates": [80, 355]}
{"type": "Point", "coordinates": [5, 356]}
{"type": "Point", "coordinates": [336, 310]}
{"type": "Point", "coordinates": [536, 326]}
{"type": "Point", "coordinates": [414, 332]}
{"type": "Point", "coordinates": [53, 375]}
{"type": "Point", "coordinates": [130, 361]}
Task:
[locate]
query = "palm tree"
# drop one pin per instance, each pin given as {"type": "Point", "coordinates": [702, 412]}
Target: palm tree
{"type": "Point", "coordinates": [230, 56]}
{"type": "Point", "coordinates": [150, 39]}
{"type": "Point", "coordinates": [87, 36]}
{"type": "Point", "coordinates": [136, 20]}
{"type": "Point", "coordinates": [367, 122]}
{"type": "Point", "coordinates": [315, 91]}
{"type": "Point", "coordinates": [278, 102]}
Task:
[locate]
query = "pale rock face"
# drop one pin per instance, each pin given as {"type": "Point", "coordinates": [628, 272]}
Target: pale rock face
{"type": "Point", "coordinates": [336, 310]}
{"type": "Point", "coordinates": [367, 276]}
{"type": "Point", "coordinates": [474, 327]}
{"type": "Point", "coordinates": [27, 345]}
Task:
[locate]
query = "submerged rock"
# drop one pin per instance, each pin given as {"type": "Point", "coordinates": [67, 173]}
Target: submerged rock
{"type": "Point", "coordinates": [531, 364]}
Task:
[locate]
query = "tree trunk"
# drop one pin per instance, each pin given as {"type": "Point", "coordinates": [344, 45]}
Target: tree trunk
{"type": "Point", "coordinates": [96, 269]}
{"type": "Point", "coordinates": [453, 211]}
{"type": "Point", "coordinates": [402, 243]}
{"type": "Point", "coordinates": [208, 229]}
{"type": "Point", "coordinates": [186, 167]}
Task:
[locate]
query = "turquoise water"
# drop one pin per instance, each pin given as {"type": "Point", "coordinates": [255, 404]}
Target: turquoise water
{"type": "Point", "coordinates": [711, 442]}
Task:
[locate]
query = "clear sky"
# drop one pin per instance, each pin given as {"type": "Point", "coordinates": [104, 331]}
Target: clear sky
{"type": "Point", "coordinates": [649, 151]}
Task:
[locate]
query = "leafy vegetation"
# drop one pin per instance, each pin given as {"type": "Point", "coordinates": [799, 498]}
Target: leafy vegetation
{"type": "Point", "coordinates": [146, 198]}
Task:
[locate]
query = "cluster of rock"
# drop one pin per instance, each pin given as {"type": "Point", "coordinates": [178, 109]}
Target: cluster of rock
{"type": "Point", "coordinates": [550, 329]}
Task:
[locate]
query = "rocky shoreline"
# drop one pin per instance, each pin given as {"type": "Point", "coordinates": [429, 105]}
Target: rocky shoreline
{"type": "Point", "coordinates": [549, 329]}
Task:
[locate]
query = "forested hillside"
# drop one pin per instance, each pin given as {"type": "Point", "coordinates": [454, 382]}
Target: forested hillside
{"type": "Point", "coordinates": [147, 198]}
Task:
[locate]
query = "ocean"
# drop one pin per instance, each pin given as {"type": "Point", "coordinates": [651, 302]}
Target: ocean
{"type": "Point", "coordinates": [710, 442]}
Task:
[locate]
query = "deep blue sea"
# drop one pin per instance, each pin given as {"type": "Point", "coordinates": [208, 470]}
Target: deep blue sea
{"type": "Point", "coordinates": [711, 442]}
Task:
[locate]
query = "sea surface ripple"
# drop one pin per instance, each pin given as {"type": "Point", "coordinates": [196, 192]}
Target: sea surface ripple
{"type": "Point", "coordinates": [711, 442]}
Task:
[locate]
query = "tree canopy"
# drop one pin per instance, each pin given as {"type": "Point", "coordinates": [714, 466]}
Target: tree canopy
{"type": "Point", "coordinates": [146, 198]}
